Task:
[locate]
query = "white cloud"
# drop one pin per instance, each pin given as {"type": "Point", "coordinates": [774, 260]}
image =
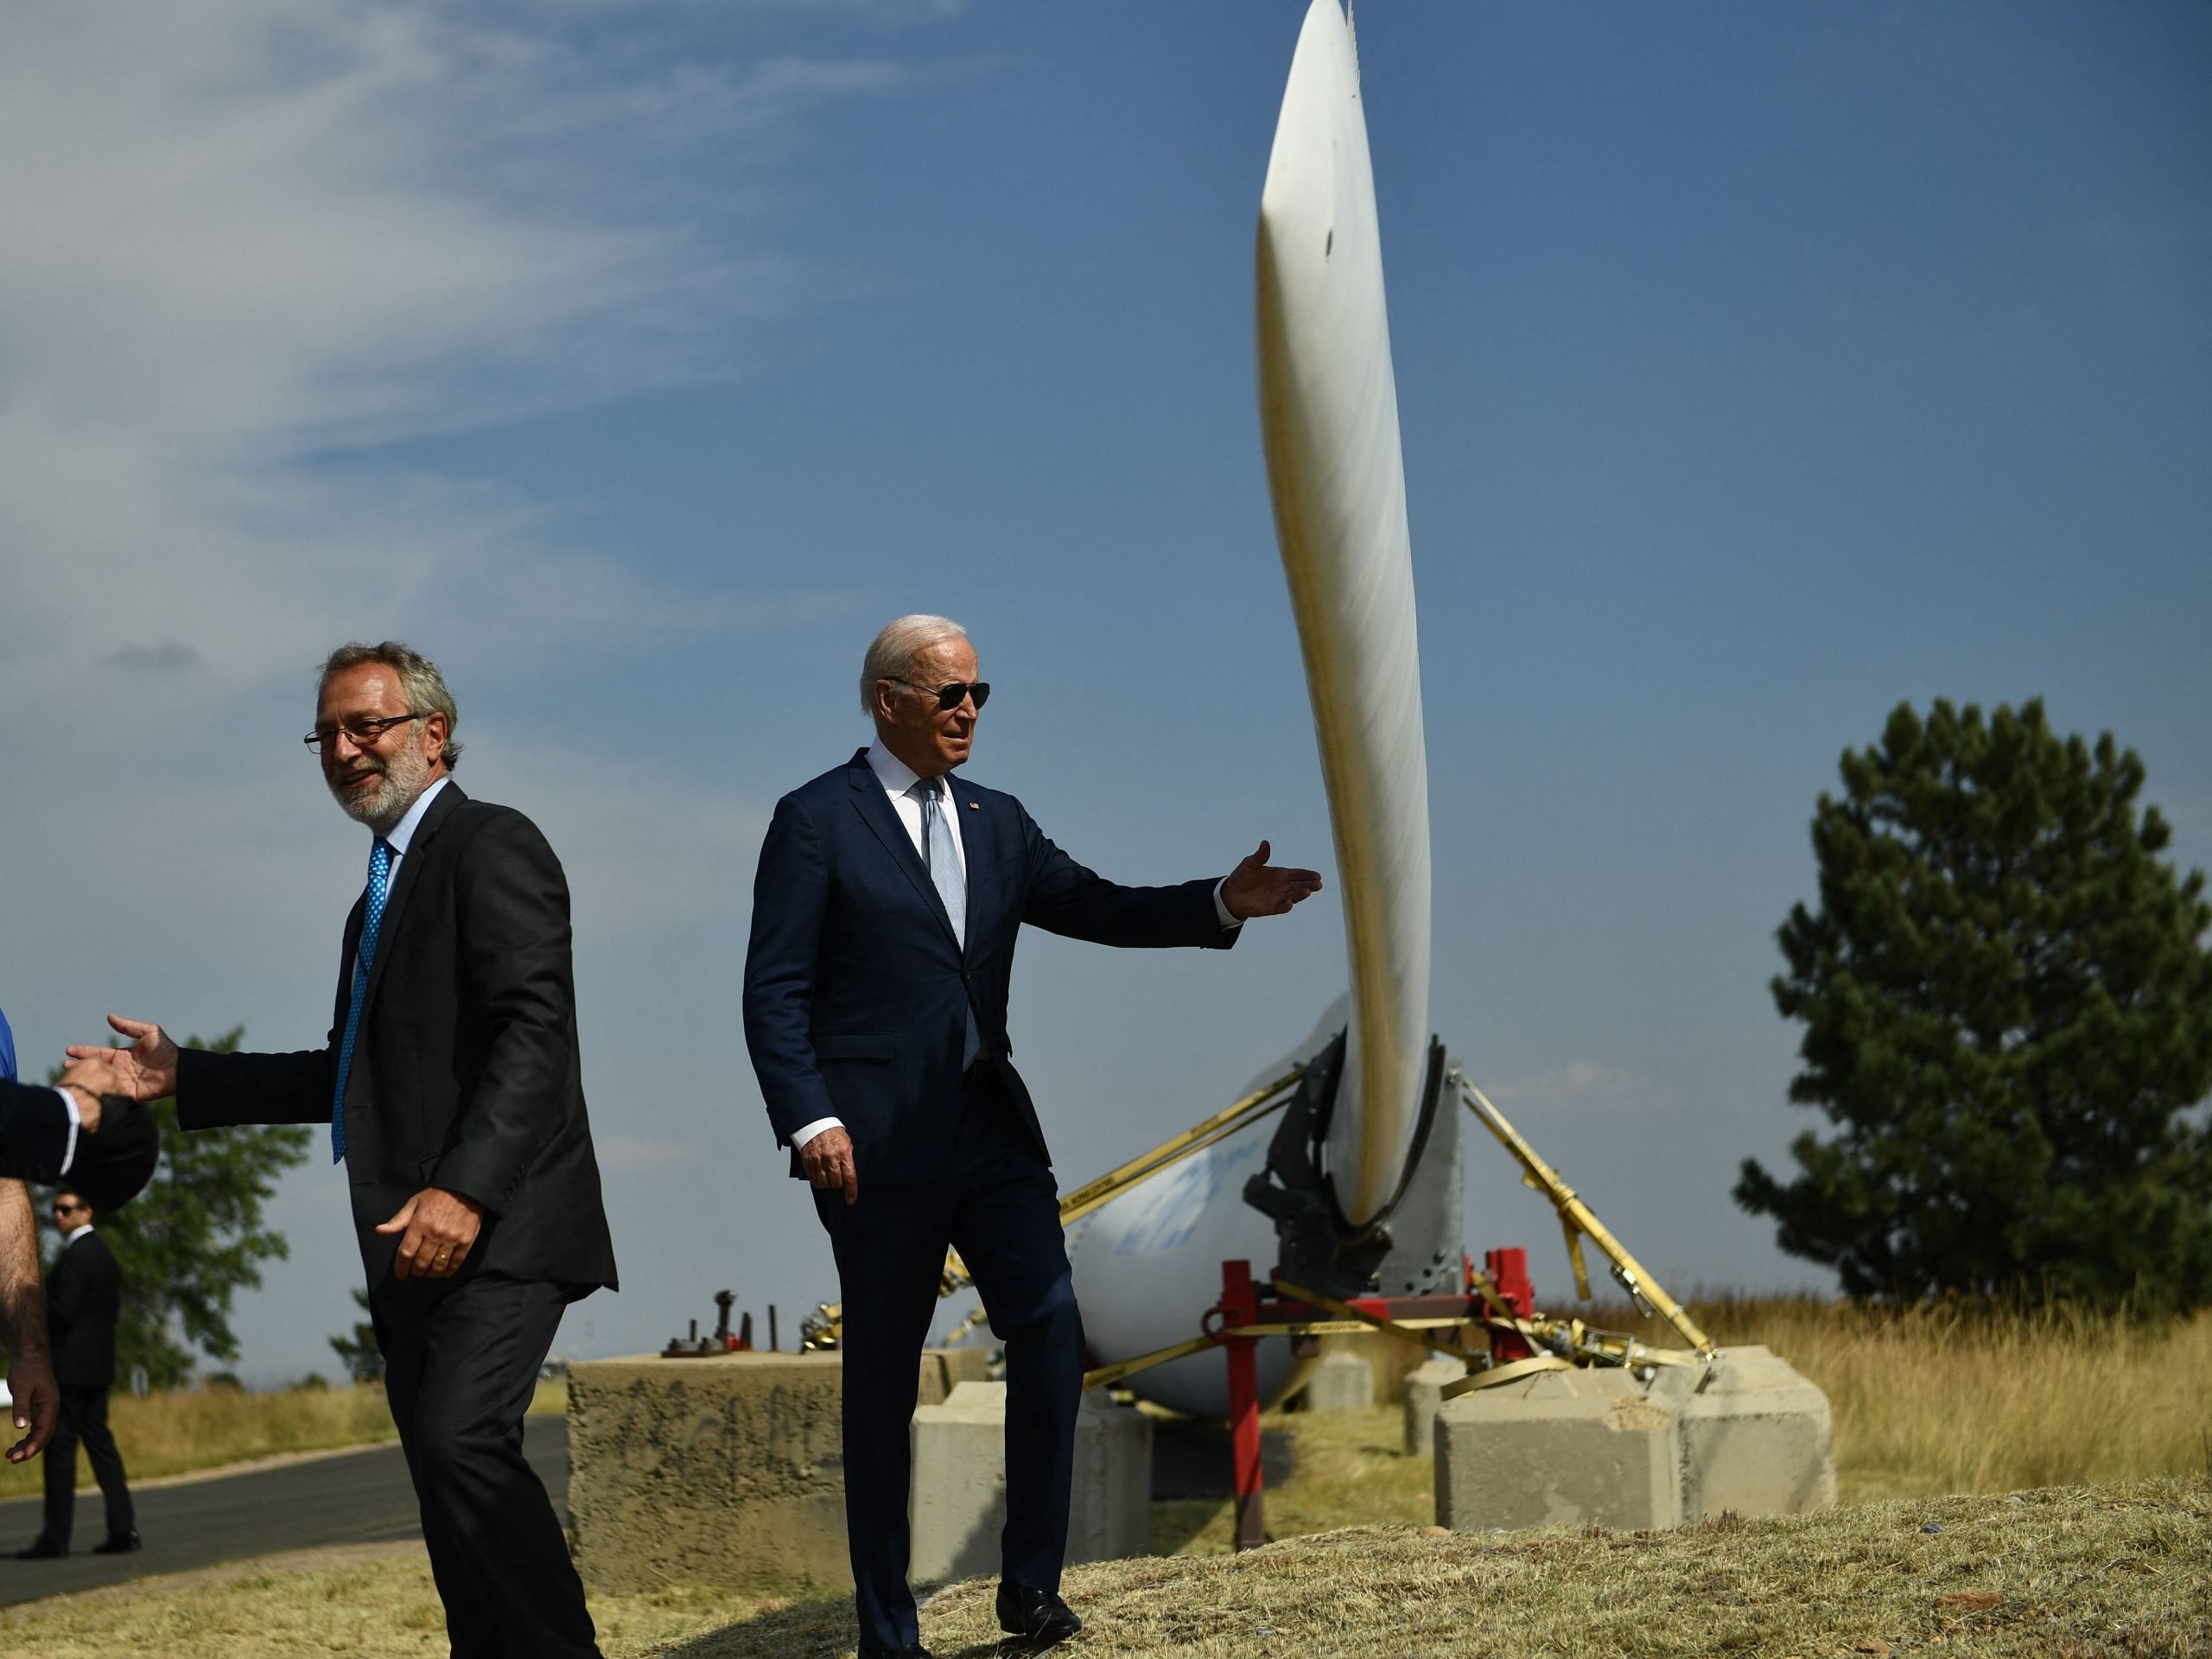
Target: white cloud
{"type": "Point", "coordinates": [242, 235]}
{"type": "Point", "coordinates": [1580, 1089]}
{"type": "Point", "coordinates": [251, 229]}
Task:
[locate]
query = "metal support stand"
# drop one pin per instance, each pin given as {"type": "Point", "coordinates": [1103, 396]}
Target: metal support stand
{"type": "Point", "coordinates": [1240, 1305]}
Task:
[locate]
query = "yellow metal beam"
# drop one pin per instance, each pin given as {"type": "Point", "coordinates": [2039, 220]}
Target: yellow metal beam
{"type": "Point", "coordinates": [1110, 1186]}
{"type": "Point", "coordinates": [1575, 1216]}
{"type": "Point", "coordinates": [1107, 1376]}
{"type": "Point", "coordinates": [1405, 1329]}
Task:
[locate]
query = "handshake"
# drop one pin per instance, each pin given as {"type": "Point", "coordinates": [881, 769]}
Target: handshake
{"type": "Point", "coordinates": [118, 1144]}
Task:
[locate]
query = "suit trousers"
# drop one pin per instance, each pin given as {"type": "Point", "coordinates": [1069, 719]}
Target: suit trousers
{"type": "Point", "coordinates": [996, 1201]}
{"type": "Point", "coordinates": [84, 1419]}
{"type": "Point", "coordinates": [461, 1360]}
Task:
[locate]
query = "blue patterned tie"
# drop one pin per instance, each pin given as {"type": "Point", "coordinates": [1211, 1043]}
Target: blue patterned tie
{"type": "Point", "coordinates": [363, 958]}
{"type": "Point", "coordinates": [942, 859]}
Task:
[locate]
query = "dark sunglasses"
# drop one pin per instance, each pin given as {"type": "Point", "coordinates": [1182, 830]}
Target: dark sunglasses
{"type": "Point", "coordinates": [949, 695]}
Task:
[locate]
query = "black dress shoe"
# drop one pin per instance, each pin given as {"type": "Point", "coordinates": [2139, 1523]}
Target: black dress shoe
{"type": "Point", "coordinates": [1037, 1615]}
{"type": "Point", "coordinates": [119, 1544]}
{"type": "Point", "coordinates": [916, 1650]}
{"type": "Point", "coordinates": [41, 1548]}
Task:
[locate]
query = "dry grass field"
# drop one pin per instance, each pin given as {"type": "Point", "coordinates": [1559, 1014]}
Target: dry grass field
{"type": "Point", "coordinates": [1962, 1398]}
{"type": "Point", "coordinates": [2097, 1429]}
{"type": "Point", "coordinates": [2114, 1571]}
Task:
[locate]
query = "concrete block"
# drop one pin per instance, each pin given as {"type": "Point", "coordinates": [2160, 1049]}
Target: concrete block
{"type": "Point", "coordinates": [956, 1507]}
{"type": "Point", "coordinates": [1111, 1516]}
{"type": "Point", "coordinates": [1756, 1437]}
{"type": "Point", "coordinates": [1424, 1390]}
{"type": "Point", "coordinates": [724, 1471]}
{"type": "Point", "coordinates": [1559, 1448]}
{"type": "Point", "coordinates": [1341, 1381]}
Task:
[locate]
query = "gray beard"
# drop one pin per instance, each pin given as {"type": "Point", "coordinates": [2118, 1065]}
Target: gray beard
{"type": "Point", "coordinates": [404, 778]}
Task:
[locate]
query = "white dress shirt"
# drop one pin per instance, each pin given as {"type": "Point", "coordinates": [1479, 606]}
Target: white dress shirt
{"type": "Point", "coordinates": [898, 779]}
{"type": "Point", "coordinates": [76, 1122]}
{"type": "Point", "coordinates": [403, 832]}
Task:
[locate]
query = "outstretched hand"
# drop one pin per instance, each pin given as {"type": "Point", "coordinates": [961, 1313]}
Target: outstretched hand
{"type": "Point", "coordinates": [89, 1078]}
{"type": "Point", "coordinates": [1256, 887]}
{"type": "Point", "coordinates": [145, 1071]}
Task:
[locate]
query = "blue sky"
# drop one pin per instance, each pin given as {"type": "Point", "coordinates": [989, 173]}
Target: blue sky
{"type": "Point", "coordinates": [1759, 367]}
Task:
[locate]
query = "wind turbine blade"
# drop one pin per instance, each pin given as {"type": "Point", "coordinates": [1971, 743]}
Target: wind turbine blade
{"type": "Point", "coordinates": [1329, 416]}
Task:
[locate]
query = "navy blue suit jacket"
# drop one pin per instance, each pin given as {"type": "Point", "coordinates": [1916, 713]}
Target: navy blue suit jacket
{"type": "Point", "coordinates": [856, 989]}
{"type": "Point", "coordinates": [34, 1131]}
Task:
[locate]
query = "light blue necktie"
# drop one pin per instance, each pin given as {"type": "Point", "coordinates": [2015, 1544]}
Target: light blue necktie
{"type": "Point", "coordinates": [942, 859]}
{"type": "Point", "coordinates": [363, 958]}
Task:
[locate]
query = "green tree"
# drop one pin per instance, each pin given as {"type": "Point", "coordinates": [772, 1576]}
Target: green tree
{"type": "Point", "coordinates": [194, 1237]}
{"type": "Point", "coordinates": [363, 1359]}
{"type": "Point", "coordinates": [2007, 1004]}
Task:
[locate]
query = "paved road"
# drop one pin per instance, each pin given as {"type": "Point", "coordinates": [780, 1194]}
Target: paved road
{"type": "Point", "coordinates": [359, 1498]}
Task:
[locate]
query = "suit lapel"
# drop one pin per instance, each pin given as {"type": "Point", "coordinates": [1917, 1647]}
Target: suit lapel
{"type": "Point", "coordinates": [402, 889]}
{"type": "Point", "coordinates": [873, 805]}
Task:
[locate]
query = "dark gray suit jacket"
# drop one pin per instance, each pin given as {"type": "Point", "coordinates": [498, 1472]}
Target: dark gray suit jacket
{"type": "Point", "coordinates": [465, 1073]}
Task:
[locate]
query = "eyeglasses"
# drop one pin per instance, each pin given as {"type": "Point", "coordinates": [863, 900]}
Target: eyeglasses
{"type": "Point", "coordinates": [62, 1209]}
{"type": "Point", "coordinates": [364, 732]}
{"type": "Point", "coordinates": [949, 695]}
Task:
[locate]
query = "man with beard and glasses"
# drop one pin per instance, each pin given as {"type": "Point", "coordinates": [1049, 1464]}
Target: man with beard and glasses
{"type": "Point", "coordinates": [454, 1096]}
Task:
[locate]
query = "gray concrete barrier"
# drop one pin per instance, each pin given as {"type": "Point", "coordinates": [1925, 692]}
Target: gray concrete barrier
{"type": "Point", "coordinates": [1746, 1433]}
{"type": "Point", "coordinates": [1756, 1437]}
{"type": "Point", "coordinates": [1424, 1390]}
{"type": "Point", "coordinates": [1558, 1448]}
{"type": "Point", "coordinates": [1342, 1379]}
{"type": "Point", "coordinates": [957, 1505]}
{"type": "Point", "coordinates": [723, 1471]}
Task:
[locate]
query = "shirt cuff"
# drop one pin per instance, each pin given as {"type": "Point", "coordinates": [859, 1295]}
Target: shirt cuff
{"type": "Point", "coordinates": [76, 1121]}
{"type": "Point", "coordinates": [1222, 909]}
{"type": "Point", "coordinates": [808, 1131]}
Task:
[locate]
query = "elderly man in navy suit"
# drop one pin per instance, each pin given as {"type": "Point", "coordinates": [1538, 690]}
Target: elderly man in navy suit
{"type": "Point", "coordinates": [885, 912]}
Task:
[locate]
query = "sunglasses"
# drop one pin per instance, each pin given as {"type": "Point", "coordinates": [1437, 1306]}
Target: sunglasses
{"type": "Point", "coordinates": [948, 695]}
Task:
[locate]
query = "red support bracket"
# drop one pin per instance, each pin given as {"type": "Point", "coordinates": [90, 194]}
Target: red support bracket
{"type": "Point", "coordinates": [1508, 1274]}
{"type": "Point", "coordinates": [1239, 1304]}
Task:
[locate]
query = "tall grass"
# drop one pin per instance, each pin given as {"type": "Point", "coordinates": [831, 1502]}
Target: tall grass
{"type": "Point", "coordinates": [173, 1432]}
{"type": "Point", "coordinates": [1980, 1396]}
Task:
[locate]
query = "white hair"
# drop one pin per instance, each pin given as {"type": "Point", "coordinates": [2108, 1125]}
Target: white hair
{"type": "Point", "coordinates": [891, 656]}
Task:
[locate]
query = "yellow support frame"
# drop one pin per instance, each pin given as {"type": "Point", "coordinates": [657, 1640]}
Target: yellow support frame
{"type": "Point", "coordinates": [1578, 1224]}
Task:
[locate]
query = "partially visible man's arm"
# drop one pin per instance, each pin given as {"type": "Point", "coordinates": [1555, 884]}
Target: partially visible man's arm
{"type": "Point", "coordinates": [22, 1325]}
{"type": "Point", "coordinates": [35, 1136]}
